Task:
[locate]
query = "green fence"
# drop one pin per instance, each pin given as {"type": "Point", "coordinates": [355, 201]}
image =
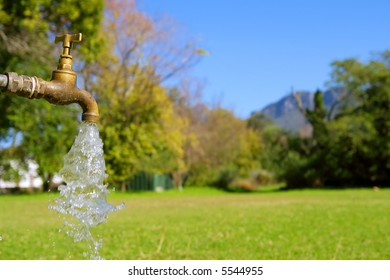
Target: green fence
{"type": "Point", "coordinates": [149, 182]}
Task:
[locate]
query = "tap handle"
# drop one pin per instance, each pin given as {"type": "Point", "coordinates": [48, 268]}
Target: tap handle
{"type": "Point", "coordinates": [67, 41]}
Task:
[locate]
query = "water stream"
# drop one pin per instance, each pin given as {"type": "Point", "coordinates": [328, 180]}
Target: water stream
{"type": "Point", "coordinates": [83, 196]}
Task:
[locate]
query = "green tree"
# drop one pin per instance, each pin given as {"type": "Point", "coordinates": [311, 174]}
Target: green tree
{"type": "Point", "coordinates": [369, 85]}
{"type": "Point", "coordinates": [138, 124]}
{"type": "Point", "coordinates": [222, 148]}
{"type": "Point", "coordinates": [352, 148]}
{"type": "Point", "coordinates": [305, 161]}
{"type": "Point", "coordinates": [27, 30]}
{"type": "Point", "coordinates": [258, 121]}
{"type": "Point", "coordinates": [274, 141]}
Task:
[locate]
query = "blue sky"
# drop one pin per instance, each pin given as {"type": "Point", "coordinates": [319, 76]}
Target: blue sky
{"type": "Point", "coordinates": [260, 49]}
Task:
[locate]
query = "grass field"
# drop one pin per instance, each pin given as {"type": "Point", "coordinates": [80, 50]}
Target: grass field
{"type": "Point", "coordinates": [207, 224]}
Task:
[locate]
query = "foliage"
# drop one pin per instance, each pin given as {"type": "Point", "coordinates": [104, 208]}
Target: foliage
{"type": "Point", "coordinates": [126, 61]}
{"type": "Point", "coordinates": [138, 124]}
{"type": "Point", "coordinates": [25, 26]}
{"type": "Point", "coordinates": [274, 154]}
{"type": "Point", "coordinates": [222, 145]}
{"type": "Point", "coordinates": [353, 147]}
{"type": "Point", "coordinates": [258, 121]}
{"type": "Point", "coordinates": [144, 127]}
{"type": "Point", "coordinates": [27, 29]}
{"type": "Point", "coordinates": [370, 84]}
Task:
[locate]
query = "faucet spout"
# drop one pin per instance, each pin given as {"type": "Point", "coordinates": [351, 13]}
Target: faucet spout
{"type": "Point", "coordinates": [55, 91]}
{"type": "Point", "coordinates": [61, 90]}
{"type": "Point", "coordinates": [60, 93]}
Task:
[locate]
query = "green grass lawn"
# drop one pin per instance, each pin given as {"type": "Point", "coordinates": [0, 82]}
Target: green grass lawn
{"type": "Point", "coordinates": [207, 224]}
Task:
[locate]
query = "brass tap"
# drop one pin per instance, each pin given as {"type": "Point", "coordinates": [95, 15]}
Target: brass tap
{"type": "Point", "coordinates": [61, 90]}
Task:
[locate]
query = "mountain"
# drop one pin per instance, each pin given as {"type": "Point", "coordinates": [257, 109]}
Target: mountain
{"type": "Point", "coordinates": [285, 112]}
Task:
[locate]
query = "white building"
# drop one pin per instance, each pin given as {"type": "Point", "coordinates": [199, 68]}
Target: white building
{"type": "Point", "coordinates": [28, 178]}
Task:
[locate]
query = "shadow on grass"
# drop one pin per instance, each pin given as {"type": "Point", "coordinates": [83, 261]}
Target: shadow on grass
{"type": "Point", "coordinates": [362, 187]}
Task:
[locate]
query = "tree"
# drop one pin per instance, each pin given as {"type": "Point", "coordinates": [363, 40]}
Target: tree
{"type": "Point", "coordinates": [310, 160]}
{"type": "Point", "coordinates": [27, 29]}
{"type": "Point", "coordinates": [138, 125]}
{"type": "Point", "coordinates": [352, 148]}
{"type": "Point", "coordinates": [274, 142]}
{"type": "Point", "coordinates": [369, 84]}
{"type": "Point", "coordinates": [315, 117]}
{"type": "Point", "coordinates": [258, 121]}
{"type": "Point", "coordinates": [221, 148]}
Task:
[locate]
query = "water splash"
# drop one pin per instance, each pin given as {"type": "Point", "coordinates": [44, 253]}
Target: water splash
{"type": "Point", "coordinates": [84, 194]}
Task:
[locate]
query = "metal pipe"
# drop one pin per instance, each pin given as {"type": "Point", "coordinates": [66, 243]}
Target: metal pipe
{"type": "Point", "coordinates": [61, 93]}
{"type": "Point", "coordinates": [3, 81]}
{"type": "Point", "coordinates": [56, 92]}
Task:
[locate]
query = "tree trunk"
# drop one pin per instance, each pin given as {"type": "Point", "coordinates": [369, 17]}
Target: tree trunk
{"type": "Point", "coordinates": [123, 187]}
{"type": "Point", "coordinates": [177, 179]}
{"type": "Point", "coordinates": [47, 182]}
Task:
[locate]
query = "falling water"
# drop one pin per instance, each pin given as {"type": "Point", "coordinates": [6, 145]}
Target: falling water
{"type": "Point", "coordinates": [84, 194]}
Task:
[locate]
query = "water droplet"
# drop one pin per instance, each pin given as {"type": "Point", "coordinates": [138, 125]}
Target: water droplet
{"type": "Point", "coordinates": [84, 194]}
